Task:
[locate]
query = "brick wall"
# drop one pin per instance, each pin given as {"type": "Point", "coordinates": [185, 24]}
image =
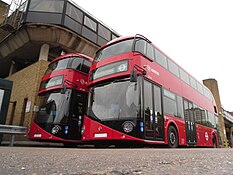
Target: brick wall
{"type": "Point", "coordinates": [25, 86]}
{"type": "Point", "coordinates": [3, 7]}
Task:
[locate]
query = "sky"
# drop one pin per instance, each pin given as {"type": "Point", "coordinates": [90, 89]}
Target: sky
{"type": "Point", "coordinates": [196, 34]}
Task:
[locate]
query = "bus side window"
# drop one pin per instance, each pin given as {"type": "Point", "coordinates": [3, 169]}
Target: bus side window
{"type": "Point", "coordinates": [180, 109]}
{"type": "Point", "coordinates": [203, 117]}
{"type": "Point", "coordinates": [77, 64]}
{"type": "Point", "coordinates": [86, 66]}
{"type": "Point", "coordinates": [141, 46]}
{"type": "Point", "coordinates": [197, 114]}
{"type": "Point", "coordinates": [161, 58]}
{"type": "Point", "coordinates": [150, 52]}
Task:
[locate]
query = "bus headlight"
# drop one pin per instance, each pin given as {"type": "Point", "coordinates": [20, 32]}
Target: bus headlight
{"type": "Point", "coordinates": [128, 126]}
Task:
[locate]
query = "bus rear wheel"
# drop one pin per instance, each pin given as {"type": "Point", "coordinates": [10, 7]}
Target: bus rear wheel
{"type": "Point", "coordinates": [214, 142]}
{"type": "Point", "coordinates": [172, 137]}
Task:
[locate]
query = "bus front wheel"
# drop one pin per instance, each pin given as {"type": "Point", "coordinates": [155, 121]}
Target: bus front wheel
{"type": "Point", "coordinates": [70, 145]}
{"type": "Point", "coordinates": [172, 137]}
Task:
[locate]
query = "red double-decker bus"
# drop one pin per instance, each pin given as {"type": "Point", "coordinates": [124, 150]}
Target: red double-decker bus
{"type": "Point", "coordinates": [63, 100]}
{"type": "Point", "coordinates": [138, 95]}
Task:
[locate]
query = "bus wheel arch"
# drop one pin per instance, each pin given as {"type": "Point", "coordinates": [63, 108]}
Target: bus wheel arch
{"type": "Point", "coordinates": [214, 141]}
{"type": "Point", "coordinates": [172, 136]}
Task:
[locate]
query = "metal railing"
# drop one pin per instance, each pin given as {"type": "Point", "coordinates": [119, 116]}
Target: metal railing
{"type": "Point", "coordinates": [13, 130]}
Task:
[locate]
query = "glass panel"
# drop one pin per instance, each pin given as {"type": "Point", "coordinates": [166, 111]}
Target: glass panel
{"type": "Point", "coordinates": [47, 5]}
{"type": "Point", "coordinates": [123, 102]}
{"type": "Point", "coordinates": [203, 117]}
{"type": "Point", "coordinates": [212, 121]}
{"type": "Point", "coordinates": [207, 93]}
{"type": "Point", "coordinates": [54, 108]}
{"type": "Point", "coordinates": [148, 108]}
{"type": "Point", "coordinates": [169, 94]}
{"type": "Point", "coordinates": [173, 68]}
{"type": "Point", "coordinates": [38, 17]}
{"type": "Point", "coordinates": [197, 114]}
{"type": "Point", "coordinates": [186, 110]}
{"type": "Point", "coordinates": [90, 23]}
{"type": "Point", "coordinates": [101, 41]}
{"type": "Point", "coordinates": [169, 104]}
{"type": "Point", "coordinates": [158, 112]}
{"type": "Point", "coordinates": [157, 99]}
{"type": "Point", "coordinates": [74, 12]}
{"type": "Point", "coordinates": [104, 32]}
{"type": "Point", "coordinates": [55, 81]}
{"type": "Point", "coordinates": [184, 76]}
{"type": "Point", "coordinates": [200, 88]}
{"type": "Point", "coordinates": [58, 65]}
{"type": "Point", "coordinates": [1, 98]}
{"type": "Point", "coordinates": [114, 49]}
{"type": "Point", "coordinates": [72, 24]}
{"type": "Point", "coordinates": [148, 96]}
{"type": "Point", "coordinates": [80, 64]}
{"type": "Point", "coordinates": [114, 36]}
{"type": "Point", "coordinates": [89, 34]}
{"type": "Point", "coordinates": [86, 66]}
{"type": "Point", "coordinates": [193, 82]}
{"type": "Point", "coordinates": [180, 111]}
{"type": "Point", "coordinates": [76, 63]}
{"type": "Point", "coordinates": [191, 112]}
{"type": "Point", "coordinates": [140, 46]}
{"type": "Point", "coordinates": [161, 59]}
{"type": "Point", "coordinates": [150, 52]}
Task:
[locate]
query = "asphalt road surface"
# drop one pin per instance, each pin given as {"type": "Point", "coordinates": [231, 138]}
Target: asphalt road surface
{"type": "Point", "coordinates": [90, 161]}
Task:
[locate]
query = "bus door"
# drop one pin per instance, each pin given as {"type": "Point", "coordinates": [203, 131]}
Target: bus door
{"type": "Point", "coordinates": [77, 110]}
{"type": "Point", "coordinates": [153, 117]}
{"type": "Point", "coordinates": [190, 123]}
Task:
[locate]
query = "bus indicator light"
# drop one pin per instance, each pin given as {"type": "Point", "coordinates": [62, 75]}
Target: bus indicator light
{"type": "Point", "coordinates": [141, 124]}
{"type": "Point", "coordinates": [141, 129]}
{"type": "Point", "coordinates": [206, 136]}
{"type": "Point", "coordinates": [66, 129]}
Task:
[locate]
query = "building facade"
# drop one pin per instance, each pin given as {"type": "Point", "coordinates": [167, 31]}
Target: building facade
{"type": "Point", "coordinates": [225, 119]}
{"type": "Point", "coordinates": [32, 35]}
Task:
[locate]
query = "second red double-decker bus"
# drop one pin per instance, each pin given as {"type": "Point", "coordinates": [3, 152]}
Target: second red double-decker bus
{"type": "Point", "coordinates": [138, 95]}
{"type": "Point", "coordinates": [63, 100]}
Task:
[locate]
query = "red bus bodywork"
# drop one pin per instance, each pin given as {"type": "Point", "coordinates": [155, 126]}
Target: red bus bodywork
{"type": "Point", "coordinates": [104, 132]}
{"type": "Point", "coordinates": [67, 88]}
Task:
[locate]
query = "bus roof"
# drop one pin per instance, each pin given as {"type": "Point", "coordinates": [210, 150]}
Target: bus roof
{"type": "Point", "coordinates": [73, 54]}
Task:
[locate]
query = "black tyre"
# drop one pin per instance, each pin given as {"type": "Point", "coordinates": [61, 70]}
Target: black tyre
{"type": "Point", "coordinates": [172, 137]}
{"type": "Point", "coordinates": [214, 142]}
{"type": "Point", "coordinates": [101, 145]}
{"type": "Point", "coordinates": [69, 145]}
